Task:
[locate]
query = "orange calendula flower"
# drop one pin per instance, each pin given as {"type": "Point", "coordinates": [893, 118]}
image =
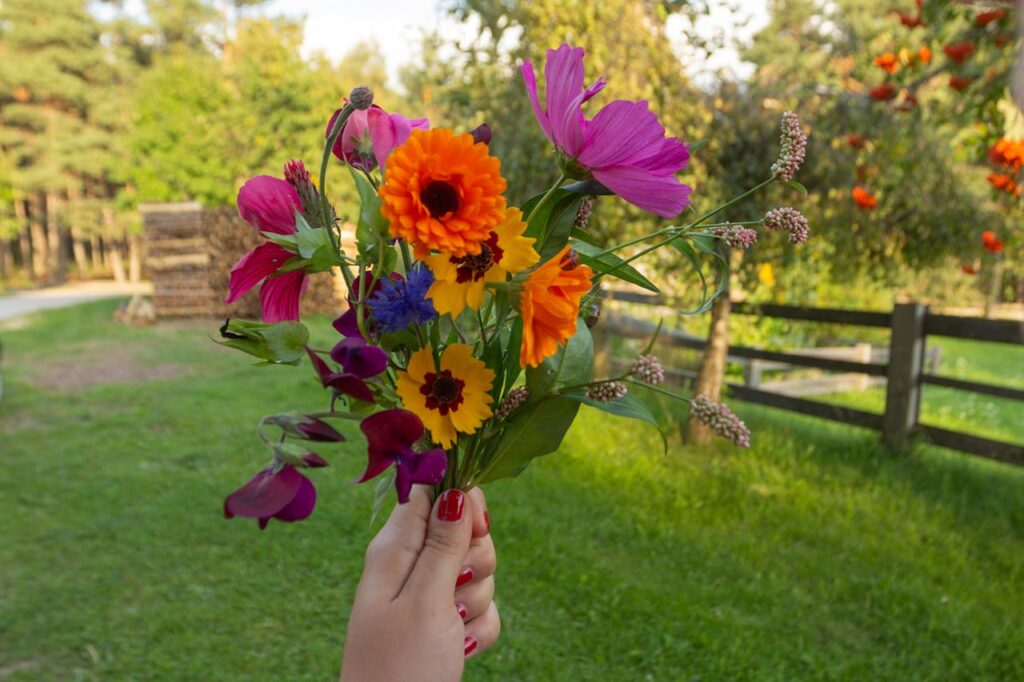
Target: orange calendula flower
{"type": "Point", "coordinates": [460, 282]}
{"type": "Point", "coordinates": [1009, 153]}
{"type": "Point", "coordinates": [453, 397]}
{"type": "Point", "coordinates": [888, 62]}
{"type": "Point", "coordinates": [443, 192]}
{"type": "Point", "coordinates": [925, 54]}
{"type": "Point", "coordinates": [1004, 182]}
{"type": "Point", "coordinates": [549, 305]}
{"type": "Point", "coordinates": [863, 198]}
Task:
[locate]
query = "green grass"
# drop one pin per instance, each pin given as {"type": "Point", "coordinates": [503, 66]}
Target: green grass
{"type": "Point", "coordinates": [815, 555]}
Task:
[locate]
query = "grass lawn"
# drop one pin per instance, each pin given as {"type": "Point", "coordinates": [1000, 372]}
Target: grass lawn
{"type": "Point", "coordinates": [814, 555]}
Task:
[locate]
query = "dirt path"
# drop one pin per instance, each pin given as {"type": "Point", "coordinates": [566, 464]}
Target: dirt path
{"type": "Point", "coordinates": [26, 302]}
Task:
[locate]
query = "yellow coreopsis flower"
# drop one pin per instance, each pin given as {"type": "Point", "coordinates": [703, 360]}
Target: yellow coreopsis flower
{"type": "Point", "coordinates": [454, 397]}
{"type": "Point", "coordinates": [460, 282]}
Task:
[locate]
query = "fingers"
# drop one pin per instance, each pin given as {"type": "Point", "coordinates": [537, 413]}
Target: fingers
{"type": "Point", "coordinates": [445, 547]}
{"type": "Point", "coordinates": [473, 599]}
{"type": "Point", "coordinates": [481, 520]}
{"type": "Point", "coordinates": [391, 555]}
{"type": "Point", "coordinates": [482, 632]}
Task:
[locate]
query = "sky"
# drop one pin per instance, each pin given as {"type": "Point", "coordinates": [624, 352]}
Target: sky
{"type": "Point", "coordinates": [396, 25]}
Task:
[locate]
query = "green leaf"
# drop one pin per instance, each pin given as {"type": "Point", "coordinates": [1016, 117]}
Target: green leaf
{"type": "Point", "coordinates": [281, 343]}
{"type": "Point", "coordinates": [709, 245]}
{"type": "Point", "coordinates": [512, 348]}
{"type": "Point", "coordinates": [797, 186]}
{"type": "Point", "coordinates": [385, 483]}
{"type": "Point", "coordinates": [292, 453]}
{"type": "Point", "coordinates": [610, 263]}
{"type": "Point", "coordinates": [552, 224]}
{"type": "Point", "coordinates": [627, 406]}
{"type": "Point", "coordinates": [372, 226]}
{"type": "Point", "coordinates": [288, 241]}
{"type": "Point", "coordinates": [573, 364]}
{"type": "Point", "coordinates": [310, 240]}
{"type": "Point", "coordinates": [535, 429]}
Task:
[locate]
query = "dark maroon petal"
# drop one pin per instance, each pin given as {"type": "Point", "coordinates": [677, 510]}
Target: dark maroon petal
{"type": "Point", "coordinates": [279, 296]}
{"type": "Point", "coordinates": [482, 133]}
{"type": "Point", "coordinates": [314, 461]}
{"type": "Point", "coordinates": [318, 430]}
{"type": "Point", "coordinates": [348, 384]}
{"type": "Point", "coordinates": [302, 503]}
{"type": "Point", "coordinates": [322, 369]}
{"type": "Point", "coordinates": [346, 324]}
{"type": "Point", "coordinates": [265, 494]}
{"type": "Point", "coordinates": [403, 482]}
{"type": "Point", "coordinates": [425, 467]}
{"type": "Point", "coordinates": [359, 358]}
{"type": "Point", "coordinates": [254, 267]}
{"type": "Point", "coordinates": [377, 461]}
{"type": "Point", "coordinates": [392, 431]}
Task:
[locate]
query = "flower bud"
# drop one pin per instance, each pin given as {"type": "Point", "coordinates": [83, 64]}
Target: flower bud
{"type": "Point", "coordinates": [593, 316]}
{"type": "Point", "coordinates": [607, 391]}
{"type": "Point", "coordinates": [482, 133]}
{"type": "Point", "coordinates": [583, 214]}
{"type": "Point", "coordinates": [720, 419]}
{"type": "Point", "coordinates": [361, 97]}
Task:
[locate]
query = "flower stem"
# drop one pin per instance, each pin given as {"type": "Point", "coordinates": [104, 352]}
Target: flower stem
{"type": "Point", "coordinates": [732, 201]}
{"type": "Point", "coordinates": [544, 199]}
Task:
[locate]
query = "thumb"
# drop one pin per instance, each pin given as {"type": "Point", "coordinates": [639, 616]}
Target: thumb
{"type": "Point", "coordinates": [445, 548]}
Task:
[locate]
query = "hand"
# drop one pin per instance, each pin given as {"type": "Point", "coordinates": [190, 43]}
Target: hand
{"type": "Point", "coordinates": [425, 601]}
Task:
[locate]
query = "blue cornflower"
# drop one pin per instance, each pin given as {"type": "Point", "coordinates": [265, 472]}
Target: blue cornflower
{"type": "Point", "coordinates": [403, 302]}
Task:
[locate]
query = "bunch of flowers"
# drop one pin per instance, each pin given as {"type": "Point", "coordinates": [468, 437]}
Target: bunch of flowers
{"type": "Point", "coordinates": [466, 351]}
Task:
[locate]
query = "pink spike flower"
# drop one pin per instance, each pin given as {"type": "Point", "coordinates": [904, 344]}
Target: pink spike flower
{"type": "Point", "coordinates": [623, 147]}
{"type": "Point", "coordinates": [269, 205]}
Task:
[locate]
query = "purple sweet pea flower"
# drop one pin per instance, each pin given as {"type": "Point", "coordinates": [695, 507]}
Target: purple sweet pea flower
{"type": "Point", "coordinates": [391, 435]}
{"type": "Point", "coordinates": [370, 135]}
{"type": "Point", "coordinates": [318, 430]}
{"type": "Point", "coordinates": [350, 380]}
{"type": "Point", "coordinates": [623, 147]}
{"type": "Point", "coordinates": [346, 325]}
{"type": "Point", "coordinates": [269, 205]}
{"type": "Point", "coordinates": [285, 496]}
{"type": "Point", "coordinates": [359, 358]}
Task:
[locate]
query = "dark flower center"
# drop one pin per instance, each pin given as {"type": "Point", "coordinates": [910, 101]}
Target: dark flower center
{"type": "Point", "coordinates": [440, 198]}
{"type": "Point", "coordinates": [473, 268]}
{"type": "Point", "coordinates": [443, 391]}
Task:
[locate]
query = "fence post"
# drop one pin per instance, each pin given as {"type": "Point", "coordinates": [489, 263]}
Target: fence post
{"type": "Point", "coordinates": [906, 364]}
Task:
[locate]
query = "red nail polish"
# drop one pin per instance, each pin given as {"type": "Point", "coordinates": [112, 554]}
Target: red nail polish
{"type": "Point", "coordinates": [487, 520]}
{"type": "Point", "coordinates": [462, 611]}
{"type": "Point", "coordinates": [468, 645]}
{"type": "Point", "coordinates": [465, 575]}
{"type": "Point", "coordinates": [452, 503]}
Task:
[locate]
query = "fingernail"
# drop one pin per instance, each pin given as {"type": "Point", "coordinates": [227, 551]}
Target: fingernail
{"type": "Point", "coordinates": [452, 503]}
{"type": "Point", "coordinates": [468, 645]}
{"type": "Point", "coordinates": [462, 611]}
{"type": "Point", "coordinates": [487, 520]}
{"type": "Point", "coordinates": [465, 575]}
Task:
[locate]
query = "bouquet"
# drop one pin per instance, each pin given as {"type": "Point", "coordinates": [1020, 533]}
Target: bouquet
{"type": "Point", "coordinates": [466, 351]}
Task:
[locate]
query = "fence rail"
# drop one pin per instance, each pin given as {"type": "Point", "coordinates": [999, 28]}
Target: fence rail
{"type": "Point", "coordinates": [907, 369]}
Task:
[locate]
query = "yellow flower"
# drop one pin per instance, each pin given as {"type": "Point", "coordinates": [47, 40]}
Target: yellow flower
{"type": "Point", "coordinates": [454, 398]}
{"type": "Point", "coordinates": [765, 274]}
{"type": "Point", "coordinates": [460, 282]}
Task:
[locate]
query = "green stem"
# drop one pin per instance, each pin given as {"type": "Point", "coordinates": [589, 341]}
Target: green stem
{"type": "Point", "coordinates": [659, 390]}
{"type": "Point", "coordinates": [731, 202]}
{"type": "Point", "coordinates": [544, 199]}
{"type": "Point", "coordinates": [640, 254]}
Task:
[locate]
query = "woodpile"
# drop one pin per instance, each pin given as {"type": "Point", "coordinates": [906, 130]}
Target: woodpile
{"type": "Point", "coordinates": [190, 251]}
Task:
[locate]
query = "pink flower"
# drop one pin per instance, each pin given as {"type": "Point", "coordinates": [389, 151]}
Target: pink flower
{"type": "Point", "coordinates": [623, 147]}
{"type": "Point", "coordinates": [269, 205]}
{"type": "Point", "coordinates": [370, 135]}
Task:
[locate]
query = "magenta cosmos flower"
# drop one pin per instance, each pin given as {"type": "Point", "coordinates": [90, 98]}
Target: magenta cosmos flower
{"type": "Point", "coordinates": [623, 147]}
{"type": "Point", "coordinates": [285, 496]}
{"type": "Point", "coordinates": [269, 205]}
{"type": "Point", "coordinates": [370, 135]}
{"type": "Point", "coordinates": [390, 436]}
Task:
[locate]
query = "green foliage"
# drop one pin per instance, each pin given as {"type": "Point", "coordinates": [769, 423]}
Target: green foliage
{"type": "Point", "coordinates": [281, 343]}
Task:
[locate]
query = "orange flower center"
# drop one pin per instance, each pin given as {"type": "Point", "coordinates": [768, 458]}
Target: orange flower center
{"type": "Point", "coordinates": [440, 198]}
{"type": "Point", "coordinates": [443, 391]}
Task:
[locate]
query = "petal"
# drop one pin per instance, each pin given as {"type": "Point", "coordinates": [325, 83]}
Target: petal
{"type": "Point", "coordinates": [531, 90]}
{"type": "Point", "coordinates": [265, 494]}
{"type": "Point", "coordinates": [279, 296]}
{"type": "Point", "coordinates": [255, 266]}
{"type": "Point", "coordinates": [301, 505]}
{"type": "Point", "coordinates": [421, 362]}
{"type": "Point", "coordinates": [391, 432]}
{"type": "Point", "coordinates": [269, 204]}
{"type": "Point", "coordinates": [426, 468]}
{"type": "Point", "coordinates": [620, 133]}
{"type": "Point", "coordinates": [318, 430]}
{"type": "Point", "coordinates": [662, 195]}
{"type": "Point", "coordinates": [349, 384]}
{"type": "Point", "coordinates": [346, 325]}
{"type": "Point", "coordinates": [403, 482]}
{"type": "Point", "coordinates": [359, 358]}
{"type": "Point", "coordinates": [323, 371]}
{"type": "Point", "coordinates": [563, 85]}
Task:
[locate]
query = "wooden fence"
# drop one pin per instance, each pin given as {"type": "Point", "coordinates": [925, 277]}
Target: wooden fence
{"type": "Point", "coordinates": [905, 370]}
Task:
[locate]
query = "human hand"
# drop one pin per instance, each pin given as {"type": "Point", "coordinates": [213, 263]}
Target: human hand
{"type": "Point", "coordinates": [425, 601]}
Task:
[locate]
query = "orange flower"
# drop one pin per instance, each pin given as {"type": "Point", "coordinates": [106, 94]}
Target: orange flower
{"type": "Point", "coordinates": [958, 53]}
{"type": "Point", "coordinates": [925, 54]}
{"type": "Point", "coordinates": [1009, 153]}
{"type": "Point", "coordinates": [549, 305]}
{"type": "Point", "coordinates": [888, 62]}
{"type": "Point", "coordinates": [882, 93]}
{"type": "Point", "coordinates": [1005, 183]}
{"type": "Point", "coordinates": [986, 18]}
{"type": "Point", "coordinates": [968, 269]}
{"type": "Point", "coordinates": [442, 192]}
{"type": "Point", "coordinates": [864, 199]}
{"type": "Point", "coordinates": [959, 83]}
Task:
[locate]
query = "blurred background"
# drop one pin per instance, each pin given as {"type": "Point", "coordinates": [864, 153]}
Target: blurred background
{"type": "Point", "coordinates": [126, 129]}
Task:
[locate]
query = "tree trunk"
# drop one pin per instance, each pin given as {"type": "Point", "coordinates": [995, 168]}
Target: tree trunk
{"type": "Point", "coordinates": [78, 248]}
{"type": "Point", "coordinates": [117, 261]}
{"type": "Point", "coordinates": [96, 254]}
{"type": "Point", "coordinates": [6, 264]}
{"type": "Point", "coordinates": [54, 236]}
{"type": "Point", "coordinates": [24, 241]}
{"type": "Point", "coordinates": [994, 285]}
{"type": "Point", "coordinates": [712, 365]}
{"type": "Point", "coordinates": [134, 257]}
{"type": "Point", "coordinates": [40, 249]}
